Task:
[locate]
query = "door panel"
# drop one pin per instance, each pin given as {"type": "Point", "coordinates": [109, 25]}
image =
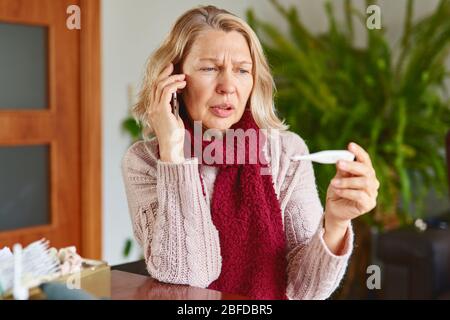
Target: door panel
{"type": "Point", "coordinates": [39, 124]}
{"type": "Point", "coordinates": [24, 187]}
{"type": "Point", "coordinates": [23, 61]}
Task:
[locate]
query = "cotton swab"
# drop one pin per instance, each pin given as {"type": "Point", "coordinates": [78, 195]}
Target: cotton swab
{"type": "Point", "coordinates": [327, 156]}
{"type": "Point", "coordinates": [19, 291]}
{"type": "Point", "coordinates": [26, 267]}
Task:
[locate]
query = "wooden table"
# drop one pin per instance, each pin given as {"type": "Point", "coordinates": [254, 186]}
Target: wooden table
{"type": "Point", "coordinates": [131, 286]}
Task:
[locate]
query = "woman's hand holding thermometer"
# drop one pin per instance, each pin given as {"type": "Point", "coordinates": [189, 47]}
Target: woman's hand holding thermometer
{"type": "Point", "coordinates": [352, 192]}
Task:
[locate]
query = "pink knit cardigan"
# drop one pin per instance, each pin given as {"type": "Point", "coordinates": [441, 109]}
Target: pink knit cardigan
{"type": "Point", "coordinates": [172, 221]}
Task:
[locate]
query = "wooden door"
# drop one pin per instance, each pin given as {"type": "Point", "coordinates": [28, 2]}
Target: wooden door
{"type": "Point", "coordinates": [49, 125]}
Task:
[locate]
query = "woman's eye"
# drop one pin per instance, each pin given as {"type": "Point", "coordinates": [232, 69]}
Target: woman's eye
{"type": "Point", "coordinates": [208, 69]}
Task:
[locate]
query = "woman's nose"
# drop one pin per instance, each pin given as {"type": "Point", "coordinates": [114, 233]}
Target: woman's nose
{"type": "Point", "coordinates": [226, 84]}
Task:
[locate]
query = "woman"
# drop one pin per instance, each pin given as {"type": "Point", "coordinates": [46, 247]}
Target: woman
{"type": "Point", "coordinates": [231, 226]}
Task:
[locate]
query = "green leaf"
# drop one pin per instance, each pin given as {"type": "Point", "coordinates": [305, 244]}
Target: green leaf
{"type": "Point", "coordinates": [132, 127]}
{"type": "Point", "coordinates": [127, 248]}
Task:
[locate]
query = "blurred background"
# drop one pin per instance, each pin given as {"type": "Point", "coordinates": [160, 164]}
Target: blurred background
{"type": "Point", "coordinates": [66, 94]}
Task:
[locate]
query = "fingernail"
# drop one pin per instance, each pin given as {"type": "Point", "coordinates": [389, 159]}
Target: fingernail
{"type": "Point", "coordinates": [336, 182]}
{"type": "Point", "coordinates": [342, 165]}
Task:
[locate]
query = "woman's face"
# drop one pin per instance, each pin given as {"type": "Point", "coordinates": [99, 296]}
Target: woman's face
{"type": "Point", "coordinates": [219, 78]}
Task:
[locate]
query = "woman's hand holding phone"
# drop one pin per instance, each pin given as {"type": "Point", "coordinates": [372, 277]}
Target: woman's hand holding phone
{"type": "Point", "coordinates": [169, 129]}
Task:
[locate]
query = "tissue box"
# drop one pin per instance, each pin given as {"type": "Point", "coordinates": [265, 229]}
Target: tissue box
{"type": "Point", "coordinates": [94, 278]}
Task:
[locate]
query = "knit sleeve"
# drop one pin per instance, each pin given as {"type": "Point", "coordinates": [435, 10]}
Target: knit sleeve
{"type": "Point", "coordinates": [170, 217]}
{"type": "Point", "coordinates": [314, 272]}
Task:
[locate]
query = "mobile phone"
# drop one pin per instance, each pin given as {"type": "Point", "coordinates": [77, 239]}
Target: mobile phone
{"type": "Point", "coordinates": [175, 105]}
{"type": "Point", "coordinates": [174, 101]}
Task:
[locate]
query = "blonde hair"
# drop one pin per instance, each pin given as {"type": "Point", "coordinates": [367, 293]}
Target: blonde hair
{"type": "Point", "coordinates": [177, 45]}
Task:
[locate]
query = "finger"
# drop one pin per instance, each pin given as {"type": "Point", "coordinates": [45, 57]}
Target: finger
{"type": "Point", "coordinates": [359, 183]}
{"type": "Point", "coordinates": [341, 173]}
{"type": "Point", "coordinates": [163, 83]}
{"type": "Point", "coordinates": [165, 73]}
{"type": "Point", "coordinates": [356, 168]}
{"type": "Point", "coordinates": [360, 154]}
{"type": "Point", "coordinates": [351, 183]}
{"type": "Point", "coordinates": [364, 201]}
{"type": "Point", "coordinates": [167, 92]}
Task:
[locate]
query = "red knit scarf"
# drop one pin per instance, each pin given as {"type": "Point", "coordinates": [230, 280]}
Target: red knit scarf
{"type": "Point", "coordinates": [247, 215]}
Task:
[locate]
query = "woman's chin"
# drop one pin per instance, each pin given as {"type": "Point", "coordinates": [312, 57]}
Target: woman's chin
{"type": "Point", "coordinates": [219, 123]}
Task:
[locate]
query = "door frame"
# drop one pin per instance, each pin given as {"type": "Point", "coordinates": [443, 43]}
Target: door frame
{"type": "Point", "coordinates": [91, 129]}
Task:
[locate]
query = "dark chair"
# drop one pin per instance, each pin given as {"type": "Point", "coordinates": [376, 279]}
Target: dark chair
{"type": "Point", "coordinates": [416, 265]}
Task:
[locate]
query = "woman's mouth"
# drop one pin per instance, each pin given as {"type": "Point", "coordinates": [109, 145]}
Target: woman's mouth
{"type": "Point", "coordinates": [223, 110]}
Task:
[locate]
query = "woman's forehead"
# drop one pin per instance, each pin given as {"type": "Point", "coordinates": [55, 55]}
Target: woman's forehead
{"type": "Point", "coordinates": [217, 44]}
{"type": "Point", "coordinates": [219, 60]}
